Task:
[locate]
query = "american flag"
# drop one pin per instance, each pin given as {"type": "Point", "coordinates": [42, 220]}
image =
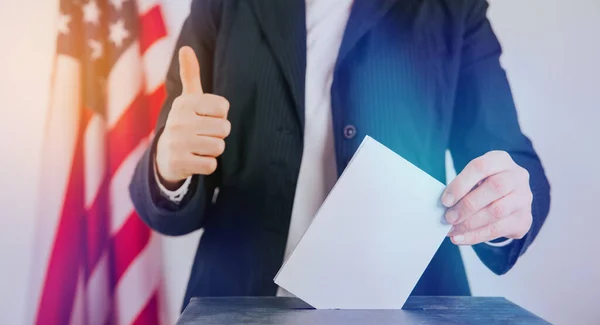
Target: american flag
{"type": "Point", "coordinates": [96, 262]}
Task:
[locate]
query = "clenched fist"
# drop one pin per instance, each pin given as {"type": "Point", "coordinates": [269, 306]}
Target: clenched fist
{"type": "Point", "coordinates": [195, 128]}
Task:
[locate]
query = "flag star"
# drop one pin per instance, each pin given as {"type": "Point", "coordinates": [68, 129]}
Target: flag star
{"type": "Point", "coordinates": [118, 4]}
{"type": "Point", "coordinates": [63, 23]}
{"type": "Point", "coordinates": [96, 48]}
{"type": "Point", "coordinates": [91, 13]}
{"type": "Point", "coordinates": [118, 33]}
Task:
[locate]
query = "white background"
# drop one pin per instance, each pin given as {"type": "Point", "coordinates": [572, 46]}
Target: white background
{"type": "Point", "coordinates": [552, 54]}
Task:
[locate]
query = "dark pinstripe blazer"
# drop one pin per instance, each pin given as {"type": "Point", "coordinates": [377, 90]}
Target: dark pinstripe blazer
{"type": "Point", "coordinates": [420, 76]}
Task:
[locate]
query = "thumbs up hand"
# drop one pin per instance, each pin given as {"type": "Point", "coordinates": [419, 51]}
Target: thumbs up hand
{"type": "Point", "coordinates": [194, 130]}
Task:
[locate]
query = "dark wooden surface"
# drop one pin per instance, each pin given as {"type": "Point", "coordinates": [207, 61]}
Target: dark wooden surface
{"type": "Point", "coordinates": [417, 310]}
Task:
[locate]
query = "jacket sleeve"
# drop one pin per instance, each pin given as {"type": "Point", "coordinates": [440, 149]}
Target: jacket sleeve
{"type": "Point", "coordinates": [199, 32]}
{"type": "Point", "coordinates": [485, 119]}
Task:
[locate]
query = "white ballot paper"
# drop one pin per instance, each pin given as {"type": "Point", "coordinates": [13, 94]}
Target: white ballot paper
{"type": "Point", "coordinates": [372, 238]}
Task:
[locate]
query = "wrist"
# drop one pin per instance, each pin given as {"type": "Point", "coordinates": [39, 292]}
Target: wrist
{"type": "Point", "coordinates": [168, 183]}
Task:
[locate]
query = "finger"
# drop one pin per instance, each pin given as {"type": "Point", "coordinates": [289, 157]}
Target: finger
{"type": "Point", "coordinates": [207, 146]}
{"type": "Point", "coordinates": [492, 189]}
{"type": "Point", "coordinates": [477, 170]}
{"type": "Point", "coordinates": [199, 165]}
{"type": "Point", "coordinates": [189, 71]}
{"type": "Point", "coordinates": [495, 211]}
{"type": "Point", "coordinates": [212, 105]}
{"type": "Point", "coordinates": [509, 227]}
{"type": "Point", "coordinates": [212, 126]}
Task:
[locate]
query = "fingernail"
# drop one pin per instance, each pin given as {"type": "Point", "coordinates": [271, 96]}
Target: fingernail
{"type": "Point", "coordinates": [459, 238]}
{"type": "Point", "coordinates": [451, 216]}
{"type": "Point", "coordinates": [448, 200]}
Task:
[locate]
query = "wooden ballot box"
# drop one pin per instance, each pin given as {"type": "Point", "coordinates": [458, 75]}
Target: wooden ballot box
{"type": "Point", "coordinates": [425, 310]}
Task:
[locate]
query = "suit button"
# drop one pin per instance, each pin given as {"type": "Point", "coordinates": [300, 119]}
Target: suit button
{"type": "Point", "coordinates": [349, 131]}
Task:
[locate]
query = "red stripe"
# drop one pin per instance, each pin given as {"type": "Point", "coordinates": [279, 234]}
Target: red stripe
{"type": "Point", "coordinates": [58, 292]}
{"type": "Point", "coordinates": [152, 28]}
{"type": "Point", "coordinates": [127, 244]}
{"type": "Point", "coordinates": [125, 247]}
{"type": "Point", "coordinates": [98, 230]}
{"type": "Point", "coordinates": [149, 315]}
{"type": "Point", "coordinates": [126, 135]}
{"type": "Point", "coordinates": [136, 124]}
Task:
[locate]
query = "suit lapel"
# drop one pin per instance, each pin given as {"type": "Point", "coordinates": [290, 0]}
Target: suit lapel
{"type": "Point", "coordinates": [283, 23]}
{"type": "Point", "coordinates": [365, 14]}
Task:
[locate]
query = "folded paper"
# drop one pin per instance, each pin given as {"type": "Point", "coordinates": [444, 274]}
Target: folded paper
{"type": "Point", "coordinates": [372, 238]}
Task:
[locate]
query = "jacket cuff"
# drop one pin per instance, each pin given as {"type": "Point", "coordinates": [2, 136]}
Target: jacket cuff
{"type": "Point", "coordinates": [158, 212]}
{"type": "Point", "coordinates": [175, 196]}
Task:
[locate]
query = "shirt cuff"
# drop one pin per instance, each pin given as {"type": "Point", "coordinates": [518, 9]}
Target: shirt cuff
{"type": "Point", "coordinates": [177, 195]}
{"type": "Point", "coordinates": [503, 243]}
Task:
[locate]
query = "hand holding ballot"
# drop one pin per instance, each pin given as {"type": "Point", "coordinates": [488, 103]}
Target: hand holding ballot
{"type": "Point", "coordinates": [489, 199]}
{"type": "Point", "coordinates": [344, 262]}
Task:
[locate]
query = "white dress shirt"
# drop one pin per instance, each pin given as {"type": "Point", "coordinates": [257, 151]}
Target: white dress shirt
{"type": "Point", "coordinates": [325, 24]}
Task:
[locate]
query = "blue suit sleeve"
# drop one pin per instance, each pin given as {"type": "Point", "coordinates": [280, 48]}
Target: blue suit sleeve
{"type": "Point", "coordinates": [162, 215]}
{"type": "Point", "coordinates": [485, 119]}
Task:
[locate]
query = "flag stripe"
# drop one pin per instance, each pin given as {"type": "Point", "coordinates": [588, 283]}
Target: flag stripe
{"type": "Point", "coordinates": [128, 243]}
{"type": "Point", "coordinates": [121, 205]}
{"type": "Point", "coordinates": [99, 291]}
{"type": "Point", "coordinates": [94, 157]}
{"type": "Point", "coordinates": [61, 277]}
{"type": "Point", "coordinates": [124, 83]}
{"type": "Point", "coordinates": [149, 316]}
{"type": "Point", "coordinates": [152, 26]}
{"type": "Point", "coordinates": [145, 5]}
{"type": "Point", "coordinates": [98, 232]}
{"type": "Point", "coordinates": [133, 127]}
{"type": "Point", "coordinates": [96, 191]}
{"type": "Point", "coordinates": [126, 135]}
{"type": "Point", "coordinates": [138, 283]}
{"type": "Point", "coordinates": [78, 314]}
{"type": "Point", "coordinates": [160, 51]}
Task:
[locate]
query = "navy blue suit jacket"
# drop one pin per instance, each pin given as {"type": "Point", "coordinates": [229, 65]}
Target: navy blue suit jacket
{"type": "Point", "coordinates": [420, 76]}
